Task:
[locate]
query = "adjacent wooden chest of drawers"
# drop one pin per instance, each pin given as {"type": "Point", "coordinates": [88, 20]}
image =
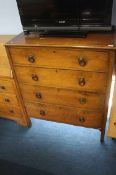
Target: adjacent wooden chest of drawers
{"type": "Point", "coordinates": [64, 79]}
{"type": "Point", "coordinates": [5, 69]}
{"type": "Point", "coordinates": [11, 106]}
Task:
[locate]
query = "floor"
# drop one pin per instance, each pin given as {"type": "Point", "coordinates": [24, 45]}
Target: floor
{"type": "Point", "coordinates": [10, 168]}
{"type": "Point", "coordinates": [59, 149]}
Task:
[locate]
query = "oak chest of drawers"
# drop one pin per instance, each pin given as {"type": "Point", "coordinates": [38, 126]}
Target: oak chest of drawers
{"type": "Point", "coordinates": [10, 103]}
{"type": "Point", "coordinates": [64, 79]}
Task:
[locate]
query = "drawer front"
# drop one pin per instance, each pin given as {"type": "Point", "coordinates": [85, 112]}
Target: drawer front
{"type": "Point", "coordinates": [74, 98]}
{"type": "Point", "coordinates": [7, 86]}
{"type": "Point", "coordinates": [9, 111]}
{"type": "Point", "coordinates": [2, 50]}
{"type": "Point", "coordinates": [5, 69]}
{"type": "Point", "coordinates": [8, 99]}
{"type": "Point", "coordinates": [61, 58]}
{"type": "Point", "coordinates": [62, 78]}
{"type": "Point", "coordinates": [69, 115]}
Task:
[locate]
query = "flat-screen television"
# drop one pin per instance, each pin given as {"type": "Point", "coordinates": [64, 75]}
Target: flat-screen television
{"type": "Point", "coordinates": [65, 16]}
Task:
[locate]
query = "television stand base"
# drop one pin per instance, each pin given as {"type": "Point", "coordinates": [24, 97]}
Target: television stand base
{"type": "Point", "coordinates": [72, 34]}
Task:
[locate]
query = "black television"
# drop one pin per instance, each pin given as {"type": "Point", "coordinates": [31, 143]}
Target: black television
{"type": "Point", "coordinates": [70, 17]}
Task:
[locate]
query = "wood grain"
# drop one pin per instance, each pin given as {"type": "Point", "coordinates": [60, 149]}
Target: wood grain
{"type": "Point", "coordinates": [11, 112]}
{"type": "Point", "coordinates": [23, 119]}
{"type": "Point", "coordinates": [101, 41]}
{"type": "Point", "coordinates": [5, 69]}
{"type": "Point", "coordinates": [8, 99]}
{"type": "Point", "coordinates": [60, 58]}
{"type": "Point", "coordinates": [65, 115]}
{"type": "Point", "coordinates": [55, 73]}
{"type": "Point", "coordinates": [62, 78]}
{"type": "Point", "coordinates": [82, 99]}
{"type": "Point", "coordinates": [7, 86]}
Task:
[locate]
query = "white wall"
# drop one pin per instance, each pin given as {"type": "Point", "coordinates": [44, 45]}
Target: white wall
{"type": "Point", "coordinates": [9, 17]}
{"type": "Point", "coordinates": [10, 20]}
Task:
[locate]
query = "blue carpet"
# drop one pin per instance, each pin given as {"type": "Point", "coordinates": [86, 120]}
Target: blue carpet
{"type": "Point", "coordinates": [9, 168]}
{"type": "Point", "coordinates": [59, 149]}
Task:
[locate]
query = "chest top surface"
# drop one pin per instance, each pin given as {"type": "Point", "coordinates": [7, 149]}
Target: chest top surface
{"type": "Point", "coordinates": [103, 41]}
{"type": "Point", "coordinates": [5, 38]}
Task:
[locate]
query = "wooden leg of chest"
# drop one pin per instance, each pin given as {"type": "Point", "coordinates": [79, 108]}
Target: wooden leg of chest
{"type": "Point", "coordinates": [102, 136]}
{"type": "Point", "coordinates": [103, 127]}
{"type": "Point", "coordinates": [28, 123]}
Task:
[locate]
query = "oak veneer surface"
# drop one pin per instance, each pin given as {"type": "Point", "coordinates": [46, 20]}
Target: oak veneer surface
{"type": "Point", "coordinates": [66, 97]}
{"type": "Point", "coordinates": [61, 58]}
{"type": "Point", "coordinates": [62, 78]}
{"type": "Point", "coordinates": [73, 70]}
{"type": "Point", "coordinates": [10, 101]}
{"type": "Point", "coordinates": [10, 104]}
{"type": "Point", "coordinates": [102, 41]}
{"type": "Point", "coordinates": [7, 86]}
{"type": "Point", "coordinates": [5, 69]}
{"type": "Point", "coordinates": [70, 115]}
{"type": "Point", "coordinates": [10, 112]}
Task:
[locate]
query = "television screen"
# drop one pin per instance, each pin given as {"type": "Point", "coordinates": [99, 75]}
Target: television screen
{"type": "Point", "coordinates": [96, 12]}
{"type": "Point", "coordinates": [66, 14]}
{"type": "Point", "coordinates": [48, 12]}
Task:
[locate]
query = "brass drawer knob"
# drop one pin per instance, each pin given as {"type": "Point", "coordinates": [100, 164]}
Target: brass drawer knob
{"type": "Point", "coordinates": [34, 77]}
{"type": "Point", "coordinates": [82, 100]}
{"type": "Point", "coordinates": [2, 87]}
{"type": "Point", "coordinates": [38, 95]}
{"type": "Point", "coordinates": [82, 119]}
{"type": "Point", "coordinates": [82, 61]}
{"type": "Point", "coordinates": [42, 113]}
{"type": "Point", "coordinates": [7, 100]}
{"type": "Point", "coordinates": [31, 58]}
{"type": "Point", "coordinates": [81, 81]}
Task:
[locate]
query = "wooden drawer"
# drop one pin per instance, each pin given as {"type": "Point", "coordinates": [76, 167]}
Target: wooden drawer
{"type": "Point", "coordinates": [61, 58]}
{"type": "Point", "coordinates": [7, 86]}
{"type": "Point", "coordinates": [10, 111]}
{"type": "Point", "coordinates": [62, 78]}
{"type": "Point", "coordinates": [74, 98]}
{"type": "Point", "coordinates": [69, 115]}
{"type": "Point", "coordinates": [2, 50]}
{"type": "Point", "coordinates": [8, 99]}
{"type": "Point", "coordinates": [5, 69]}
